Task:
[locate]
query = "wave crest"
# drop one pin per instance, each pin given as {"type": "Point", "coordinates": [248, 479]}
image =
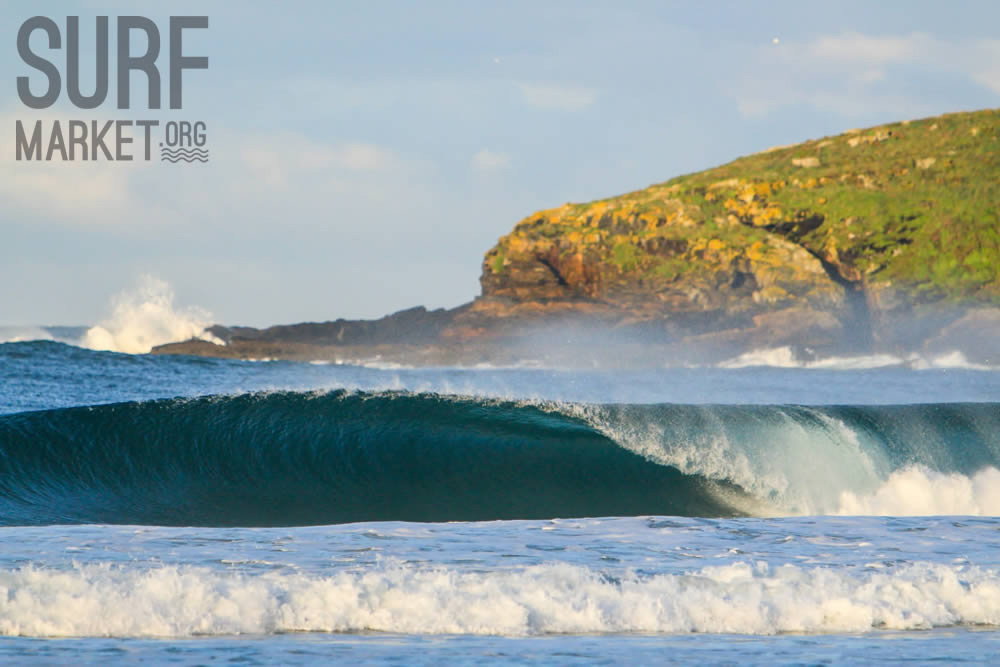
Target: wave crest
{"type": "Point", "coordinates": [287, 458]}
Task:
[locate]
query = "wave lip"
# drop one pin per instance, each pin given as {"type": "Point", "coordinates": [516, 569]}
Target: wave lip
{"type": "Point", "coordinates": [741, 598]}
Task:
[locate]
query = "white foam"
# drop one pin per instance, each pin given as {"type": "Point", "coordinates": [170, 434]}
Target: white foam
{"type": "Point", "coordinates": [953, 359]}
{"type": "Point", "coordinates": [778, 357]}
{"type": "Point", "coordinates": [746, 597]}
{"type": "Point", "coordinates": [146, 317]}
{"type": "Point", "coordinates": [785, 357]}
{"type": "Point", "coordinates": [918, 491]}
{"type": "Point", "coordinates": [857, 363]}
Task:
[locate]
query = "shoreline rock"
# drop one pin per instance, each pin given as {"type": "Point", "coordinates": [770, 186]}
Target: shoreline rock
{"type": "Point", "coordinates": [883, 240]}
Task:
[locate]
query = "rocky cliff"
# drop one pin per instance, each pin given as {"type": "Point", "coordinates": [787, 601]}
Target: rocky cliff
{"type": "Point", "coordinates": [880, 239]}
{"type": "Point", "coordinates": [868, 237]}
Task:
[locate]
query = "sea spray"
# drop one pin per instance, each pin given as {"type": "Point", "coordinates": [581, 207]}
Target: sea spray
{"type": "Point", "coordinates": [145, 317]}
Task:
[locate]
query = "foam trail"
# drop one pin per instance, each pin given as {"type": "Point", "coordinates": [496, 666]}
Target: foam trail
{"type": "Point", "coordinates": [146, 317]}
{"type": "Point", "coordinates": [744, 597]}
{"type": "Point", "coordinates": [918, 491]}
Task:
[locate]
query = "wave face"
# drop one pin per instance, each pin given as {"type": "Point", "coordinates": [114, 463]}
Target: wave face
{"type": "Point", "coordinates": [299, 459]}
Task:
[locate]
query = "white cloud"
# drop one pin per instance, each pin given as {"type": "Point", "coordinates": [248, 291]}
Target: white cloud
{"type": "Point", "coordinates": [870, 76]}
{"type": "Point", "coordinates": [853, 73]}
{"type": "Point", "coordinates": [294, 161]}
{"type": "Point", "coordinates": [95, 192]}
{"type": "Point", "coordinates": [487, 160]}
{"type": "Point", "coordinates": [280, 160]}
{"type": "Point", "coordinates": [554, 97]}
{"type": "Point", "coordinates": [855, 47]}
{"type": "Point", "coordinates": [986, 70]}
{"type": "Point", "coordinates": [248, 178]}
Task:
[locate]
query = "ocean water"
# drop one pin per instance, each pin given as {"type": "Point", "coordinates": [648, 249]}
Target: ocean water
{"type": "Point", "coordinates": [188, 510]}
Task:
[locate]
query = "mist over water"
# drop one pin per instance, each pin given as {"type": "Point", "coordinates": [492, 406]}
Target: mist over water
{"type": "Point", "coordinates": [147, 315]}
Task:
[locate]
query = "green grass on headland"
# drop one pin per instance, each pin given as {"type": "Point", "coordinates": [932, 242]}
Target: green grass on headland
{"type": "Point", "coordinates": [913, 205]}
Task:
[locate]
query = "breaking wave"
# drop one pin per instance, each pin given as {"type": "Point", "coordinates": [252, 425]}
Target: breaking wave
{"type": "Point", "coordinates": [146, 317]}
{"type": "Point", "coordinates": [170, 601]}
{"type": "Point", "coordinates": [288, 458]}
{"type": "Point", "coordinates": [787, 357]}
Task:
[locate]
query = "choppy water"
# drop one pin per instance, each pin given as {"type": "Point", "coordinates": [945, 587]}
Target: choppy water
{"type": "Point", "coordinates": [189, 509]}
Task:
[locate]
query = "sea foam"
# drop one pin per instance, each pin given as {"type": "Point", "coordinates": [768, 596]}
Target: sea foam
{"type": "Point", "coordinates": [744, 597]}
{"type": "Point", "coordinates": [786, 357]}
{"type": "Point", "coordinates": [918, 491]}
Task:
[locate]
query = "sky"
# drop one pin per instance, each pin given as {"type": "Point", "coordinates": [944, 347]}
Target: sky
{"type": "Point", "coordinates": [365, 155]}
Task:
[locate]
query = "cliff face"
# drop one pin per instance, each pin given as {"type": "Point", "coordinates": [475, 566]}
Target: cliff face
{"type": "Point", "coordinates": [833, 239]}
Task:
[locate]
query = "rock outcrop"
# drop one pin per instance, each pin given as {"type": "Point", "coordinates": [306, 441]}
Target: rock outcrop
{"type": "Point", "coordinates": [837, 241]}
{"type": "Point", "coordinates": [886, 238]}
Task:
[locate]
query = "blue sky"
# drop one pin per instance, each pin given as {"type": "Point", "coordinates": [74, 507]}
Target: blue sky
{"type": "Point", "coordinates": [365, 155]}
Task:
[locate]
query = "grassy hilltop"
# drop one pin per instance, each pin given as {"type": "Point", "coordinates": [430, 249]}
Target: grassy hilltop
{"type": "Point", "coordinates": [905, 213]}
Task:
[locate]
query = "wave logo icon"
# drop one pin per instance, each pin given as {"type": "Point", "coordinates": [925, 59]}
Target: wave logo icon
{"type": "Point", "coordinates": [183, 154]}
{"type": "Point", "coordinates": [184, 141]}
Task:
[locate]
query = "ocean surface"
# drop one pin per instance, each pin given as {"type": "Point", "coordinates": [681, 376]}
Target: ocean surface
{"type": "Point", "coordinates": [188, 510]}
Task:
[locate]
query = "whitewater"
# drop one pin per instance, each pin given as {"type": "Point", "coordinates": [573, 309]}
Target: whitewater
{"type": "Point", "coordinates": [767, 509]}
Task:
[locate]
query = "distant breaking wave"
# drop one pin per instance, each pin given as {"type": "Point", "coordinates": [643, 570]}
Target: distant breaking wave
{"type": "Point", "coordinates": [785, 357]}
{"type": "Point", "coordinates": [146, 317]}
{"type": "Point", "coordinates": [140, 319]}
{"type": "Point", "coordinates": [296, 459]}
{"type": "Point", "coordinates": [24, 334]}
